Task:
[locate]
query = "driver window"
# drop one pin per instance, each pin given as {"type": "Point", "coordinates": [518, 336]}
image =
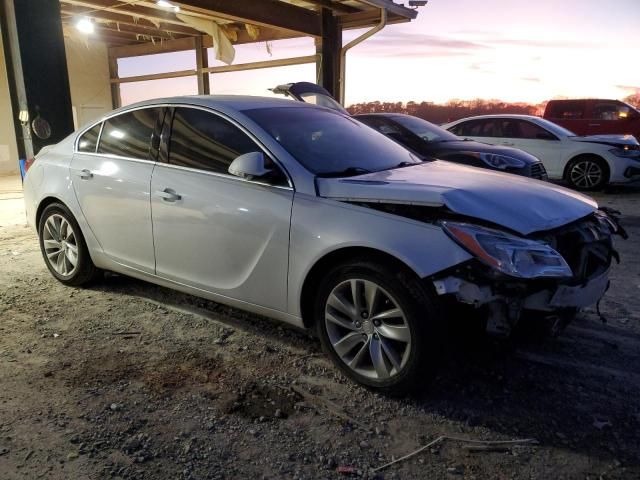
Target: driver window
{"type": "Point", "coordinates": [203, 140]}
{"type": "Point", "coordinates": [610, 111]}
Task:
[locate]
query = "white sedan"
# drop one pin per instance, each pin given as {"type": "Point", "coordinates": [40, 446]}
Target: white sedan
{"type": "Point", "coordinates": [587, 163]}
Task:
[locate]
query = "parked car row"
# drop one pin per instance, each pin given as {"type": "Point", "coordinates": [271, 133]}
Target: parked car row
{"type": "Point", "coordinates": [521, 144]}
{"type": "Point", "coordinates": [586, 163]}
{"type": "Point", "coordinates": [306, 215]}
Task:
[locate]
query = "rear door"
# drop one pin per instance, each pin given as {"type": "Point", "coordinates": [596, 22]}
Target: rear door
{"type": "Point", "coordinates": [212, 230]}
{"type": "Point", "coordinates": [111, 175]}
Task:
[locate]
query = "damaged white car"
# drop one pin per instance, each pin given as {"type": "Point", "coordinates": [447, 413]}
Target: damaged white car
{"type": "Point", "coordinates": [302, 214]}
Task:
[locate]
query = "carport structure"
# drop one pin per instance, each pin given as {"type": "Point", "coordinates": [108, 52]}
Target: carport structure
{"type": "Point", "coordinates": [34, 34]}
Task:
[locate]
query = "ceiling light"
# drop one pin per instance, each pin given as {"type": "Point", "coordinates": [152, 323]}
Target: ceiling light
{"type": "Point", "coordinates": [85, 25]}
{"type": "Point", "coordinates": [169, 5]}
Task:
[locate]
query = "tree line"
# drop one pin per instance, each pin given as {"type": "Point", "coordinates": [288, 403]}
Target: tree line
{"type": "Point", "coordinates": [455, 109]}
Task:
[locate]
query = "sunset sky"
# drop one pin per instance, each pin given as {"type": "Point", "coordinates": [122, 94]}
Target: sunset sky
{"type": "Point", "coordinates": [514, 50]}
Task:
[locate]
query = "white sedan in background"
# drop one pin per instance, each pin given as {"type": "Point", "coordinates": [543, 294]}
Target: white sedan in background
{"type": "Point", "coordinates": [587, 163]}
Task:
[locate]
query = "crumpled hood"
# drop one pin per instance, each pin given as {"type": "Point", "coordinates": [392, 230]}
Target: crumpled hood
{"type": "Point", "coordinates": [518, 203]}
{"type": "Point", "coordinates": [613, 140]}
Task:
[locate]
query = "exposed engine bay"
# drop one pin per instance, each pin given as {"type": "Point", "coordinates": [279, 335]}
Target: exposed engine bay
{"type": "Point", "coordinates": [585, 245]}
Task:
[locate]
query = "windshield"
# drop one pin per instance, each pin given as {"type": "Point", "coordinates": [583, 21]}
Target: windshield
{"type": "Point", "coordinates": [425, 130]}
{"type": "Point", "coordinates": [327, 142]}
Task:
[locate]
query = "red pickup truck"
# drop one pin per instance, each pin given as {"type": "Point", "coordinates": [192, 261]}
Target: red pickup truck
{"type": "Point", "coordinates": [594, 116]}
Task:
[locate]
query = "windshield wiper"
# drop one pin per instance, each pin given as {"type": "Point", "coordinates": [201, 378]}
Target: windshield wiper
{"type": "Point", "coordinates": [347, 172]}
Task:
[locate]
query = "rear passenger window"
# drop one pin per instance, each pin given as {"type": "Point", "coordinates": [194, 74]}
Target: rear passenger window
{"type": "Point", "coordinates": [202, 140]}
{"type": "Point", "coordinates": [129, 134]}
{"type": "Point", "coordinates": [89, 139]}
{"type": "Point", "coordinates": [567, 109]}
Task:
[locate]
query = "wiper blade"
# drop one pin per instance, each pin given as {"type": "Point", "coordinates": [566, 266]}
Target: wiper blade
{"type": "Point", "coordinates": [347, 172]}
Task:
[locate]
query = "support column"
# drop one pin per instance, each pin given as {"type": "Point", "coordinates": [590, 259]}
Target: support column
{"type": "Point", "coordinates": [37, 71]}
{"type": "Point", "coordinates": [328, 69]}
{"type": "Point", "coordinates": [202, 61]}
{"type": "Point", "coordinates": [116, 99]}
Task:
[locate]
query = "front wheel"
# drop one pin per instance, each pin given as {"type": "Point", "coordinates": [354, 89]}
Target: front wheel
{"type": "Point", "coordinates": [63, 247]}
{"type": "Point", "coordinates": [379, 326]}
{"type": "Point", "coordinates": [588, 173]}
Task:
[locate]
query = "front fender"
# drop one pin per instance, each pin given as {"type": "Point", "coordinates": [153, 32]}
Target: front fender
{"type": "Point", "coordinates": [321, 226]}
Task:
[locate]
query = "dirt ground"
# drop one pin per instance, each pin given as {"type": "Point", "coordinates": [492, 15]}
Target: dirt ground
{"type": "Point", "coordinates": [133, 381]}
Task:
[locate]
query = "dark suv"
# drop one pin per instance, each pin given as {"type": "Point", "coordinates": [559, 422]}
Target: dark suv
{"type": "Point", "coordinates": [595, 116]}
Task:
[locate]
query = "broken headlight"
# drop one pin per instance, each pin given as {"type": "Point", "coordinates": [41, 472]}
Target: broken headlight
{"type": "Point", "coordinates": [507, 253]}
{"type": "Point", "coordinates": [501, 162]}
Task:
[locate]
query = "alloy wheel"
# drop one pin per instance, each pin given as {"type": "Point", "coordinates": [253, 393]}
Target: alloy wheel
{"type": "Point", "coordinates": [367, 329]}
{"type": "Point", "coordinates": [586, 174]}
{"type": "Point", "coordinates": [60, 245]}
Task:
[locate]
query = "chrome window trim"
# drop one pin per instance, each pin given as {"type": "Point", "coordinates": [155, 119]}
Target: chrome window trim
{"type": "Point", "coordinates": [223, 175]}
{"type": "Point", "coordinates": [264, 149]}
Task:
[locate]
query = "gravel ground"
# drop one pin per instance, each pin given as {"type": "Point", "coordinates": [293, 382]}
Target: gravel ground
{"type": "Point", "coordinates": [133, 381]}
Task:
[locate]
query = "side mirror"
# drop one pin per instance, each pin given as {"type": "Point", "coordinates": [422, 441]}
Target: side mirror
{"type": "Point", "coordinates": [250, 165]}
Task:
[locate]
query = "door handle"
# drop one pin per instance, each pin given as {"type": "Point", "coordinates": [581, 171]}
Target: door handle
{"type": "Point", "coordinates": [168, 195]}
{"type": "Point", "coordinates": [594, 124]}
{"type": "Point", "coordinates": [507, 144]}
{"type": "Point", "coordinates": [85, 174]}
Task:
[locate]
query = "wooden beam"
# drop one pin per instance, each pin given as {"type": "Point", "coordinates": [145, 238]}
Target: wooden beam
{"type": "Point", "coordinates": [133, 31]}
{"type": "Point", "coordinates": [267, 13]}
{"type": "Point", "coordinates": [153, 76]}
{"type": "Point", "coordinates": [187, 43]}
{"type": "Point", "coordinates": [368, 18]}
{"type": "Point", "coordinates": [69, 12]}
{"type": "Point", "coordinates": [335, 6]}
{"type": "Point", "coordinates": [393, 8]}
{"type": "Point", "coordinates": [130, 10]}
{"type": "Point", "coordinates": [202, 62]}
{"type": "Point", "coordinates": [266, 64]}
{"type": "Point", "coordinates": [328, 71]}
{"type": "Point", "coordinates": [115, 87]}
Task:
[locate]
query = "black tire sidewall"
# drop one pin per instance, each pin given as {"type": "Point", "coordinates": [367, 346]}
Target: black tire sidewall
{"type": "Point", "coordinates": [85, 270]}
{"type": "Point", "coordinates": [422, 315]}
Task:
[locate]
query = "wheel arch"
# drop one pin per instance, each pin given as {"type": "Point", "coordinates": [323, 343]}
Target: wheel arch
{"type": "Point", "coordinates": [324, 264]}
{"type": "Point", "coordinates": [44, 203]}
{"type": "Point", "coordinates": [565, 173]}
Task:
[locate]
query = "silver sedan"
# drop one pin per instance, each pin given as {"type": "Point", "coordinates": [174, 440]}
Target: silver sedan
{"type": "Point", "coordinates": [304, 215]}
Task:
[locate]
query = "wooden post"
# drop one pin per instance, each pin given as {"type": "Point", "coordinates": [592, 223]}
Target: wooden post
{"type": "Point", "coordinates": [37, 71]}
{"type": "Point", "coordinates": [329, 63]}
{"type": "Point", "coordinates": [202, 62]}
{"type": "Point", "coordinates": [116, 100]}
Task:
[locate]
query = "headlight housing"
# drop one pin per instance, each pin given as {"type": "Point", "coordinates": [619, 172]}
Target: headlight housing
{"type": "Point", "coordinates": [501, 162]}
{"type": "Point", "coordinates": [511, 255]}
{"type": "Point", "coordinates": [627, 151]}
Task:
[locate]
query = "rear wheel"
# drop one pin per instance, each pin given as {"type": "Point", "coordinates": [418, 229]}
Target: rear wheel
{"type": "Point", "coordinates": [63, 247]}
{"type": "Point", "coordinates": [379, 326]}
{"type": "Point", "coordinates": [587, 172]}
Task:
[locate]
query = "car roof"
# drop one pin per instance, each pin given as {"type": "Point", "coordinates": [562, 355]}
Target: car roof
{"type": "Point", "coordinates": [233, 102]}
{"type": "Point", "coordinates": [378, 114]}
{"type": "Point", "coordinates": [498, 115]}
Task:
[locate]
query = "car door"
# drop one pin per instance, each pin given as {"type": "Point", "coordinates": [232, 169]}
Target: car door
{"type": "Point", "coordinates": [537, 141]}
{"type": "Point", "coordinates": [111, 176]}
{"type": "Point", "coordinates": [214, 231]}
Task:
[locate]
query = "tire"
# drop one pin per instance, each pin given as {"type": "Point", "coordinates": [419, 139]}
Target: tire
{"type": "Point", "coordinates": [62, 244]}
{"type": "Point", "coordinates": [349, 333]}
{"type": "Point", "coordinates": [587, 173]}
